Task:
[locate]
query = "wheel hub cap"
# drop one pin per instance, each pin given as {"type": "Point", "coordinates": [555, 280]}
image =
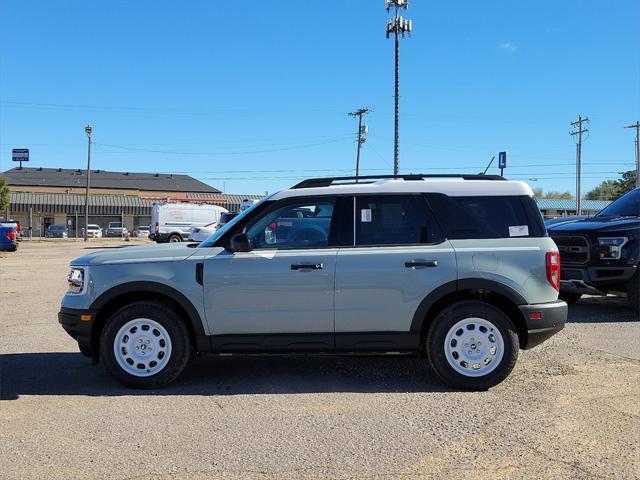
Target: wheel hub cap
{"type": "Point", "coordinates": [142, 347]}
{"type": "Point", "coordinates": [474, 347]}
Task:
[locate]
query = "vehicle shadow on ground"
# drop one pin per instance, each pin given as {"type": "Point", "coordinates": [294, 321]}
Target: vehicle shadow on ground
{"type": "Point", "coordinates": [602, 310]}
{"type": "Point", "coordinates": [67, 373]}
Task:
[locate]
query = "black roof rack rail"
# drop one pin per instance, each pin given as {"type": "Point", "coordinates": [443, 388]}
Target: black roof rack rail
{"type": "Point", "coordinates": [327, 181]}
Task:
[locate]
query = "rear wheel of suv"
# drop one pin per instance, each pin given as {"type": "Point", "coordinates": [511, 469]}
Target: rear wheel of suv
{"type": "Point", "coordinates": [174, 238]}
{"type": "Point", "coordinates": [145, 345]}
{"type": "Point", "coordinates": [472, 345]}
{"type": "Point", "coordinates": [570, 298]}
{"type": "Point", "coordinates": [633, 291]}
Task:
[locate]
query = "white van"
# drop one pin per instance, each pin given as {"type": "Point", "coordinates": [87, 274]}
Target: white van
{"type": "Point", "coordinates": [171, 222]}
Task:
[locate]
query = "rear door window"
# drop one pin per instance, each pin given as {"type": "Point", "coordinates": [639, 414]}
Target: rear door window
{"type": "Point", "coordinates": [487, 217]}
{"type": "Point", "coordinates": [394, 220]}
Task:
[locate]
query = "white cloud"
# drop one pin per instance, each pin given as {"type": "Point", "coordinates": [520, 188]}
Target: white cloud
{"type": "Point", "coordinates": [509, 46]}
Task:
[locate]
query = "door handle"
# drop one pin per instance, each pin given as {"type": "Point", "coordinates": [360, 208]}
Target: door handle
{"type": "Point", "coordinates": [421, 263]}
{"type": "Point", "coordinates": [307, 266]}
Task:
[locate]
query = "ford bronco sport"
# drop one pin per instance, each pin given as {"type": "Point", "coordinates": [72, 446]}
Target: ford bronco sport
{"type": "Point", "coordinates": [456, 268]}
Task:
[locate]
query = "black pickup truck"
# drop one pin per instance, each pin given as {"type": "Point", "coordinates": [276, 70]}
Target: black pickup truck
{"type": "Point", "coordinates": [601, 254]}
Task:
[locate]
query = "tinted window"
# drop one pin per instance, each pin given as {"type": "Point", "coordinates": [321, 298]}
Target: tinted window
{"type": "Point", "coordinates": [626, 206]}
{"type": "Point", "coordinates": [294, 226]}
{"type": "Point", "coordinates": [393, 220]}
{"type": "Point", "coordinates": [487, 217]}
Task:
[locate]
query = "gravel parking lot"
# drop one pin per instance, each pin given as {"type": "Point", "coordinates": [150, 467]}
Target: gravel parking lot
{"type": "Point", "coordinates": [569, 410]}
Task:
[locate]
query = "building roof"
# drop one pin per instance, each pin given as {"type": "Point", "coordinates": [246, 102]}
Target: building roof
{"type": "Point", "coordinates": [66, 177]}
{"type": "Point", "coordinates": [99, 204]}
{"type": "Point", "coordinates": [560, 204]}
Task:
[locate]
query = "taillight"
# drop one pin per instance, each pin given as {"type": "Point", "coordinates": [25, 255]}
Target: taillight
{"type": "Point", "coordinates": [553, 269]}
{"type": "Point", "coordinates": [11, 235]}
{"type": "Point", "coordinates": [157, 227]}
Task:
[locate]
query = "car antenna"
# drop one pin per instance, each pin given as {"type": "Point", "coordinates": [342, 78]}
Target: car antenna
{"type": "Point", "coordinates": [485, 170]}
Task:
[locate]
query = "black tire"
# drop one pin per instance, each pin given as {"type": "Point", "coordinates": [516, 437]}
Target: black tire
{"type": "Point", "coordinates": [446, 319]}
{"type": "Point", "coordinates": [633, 291]}
{"type": "Point", "coordinates": [570, 298]}
{"type": "Point", "coordinates": [177, 332]}
{"type": "Point", "coordinates": [174, 238]}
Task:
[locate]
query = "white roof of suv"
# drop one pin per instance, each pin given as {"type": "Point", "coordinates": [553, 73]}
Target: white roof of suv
{"type": "Point", "coordinates": [454, 185]}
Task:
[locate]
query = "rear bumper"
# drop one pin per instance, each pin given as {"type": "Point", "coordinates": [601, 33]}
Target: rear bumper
{"type": "Point", "coordinates": [78, 329]}
{"type": "Point", "coordinates": [552, 318]}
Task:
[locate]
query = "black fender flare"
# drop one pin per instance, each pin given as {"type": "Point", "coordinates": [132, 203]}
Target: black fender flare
{"type": "Point", "coordinates": [460, 285]}
{"type": "Point", "coordinates": [157, 288]}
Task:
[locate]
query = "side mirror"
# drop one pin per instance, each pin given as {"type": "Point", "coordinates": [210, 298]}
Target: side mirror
{"type": "Point", "coordinates": [240, 243]}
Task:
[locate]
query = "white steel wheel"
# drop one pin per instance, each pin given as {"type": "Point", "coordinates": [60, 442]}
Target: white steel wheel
{"type": "Point", "coordinates": [474, 347]}
{"type": "Point", "coordinates": [142, 347]}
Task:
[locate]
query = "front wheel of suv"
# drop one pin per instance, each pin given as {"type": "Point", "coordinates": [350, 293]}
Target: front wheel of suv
{"type": "Point", "coordinates": [472, 345]}
{"type": "Point", "coordinates": [145, 345]}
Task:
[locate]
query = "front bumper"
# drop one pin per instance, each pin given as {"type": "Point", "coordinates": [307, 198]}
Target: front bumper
{"type": "Point", "coordinates": [78, 328]}
{"type": "Point", "coordinates": [593, 280]}
{"type": "Point", "coordinates": [543, 320]}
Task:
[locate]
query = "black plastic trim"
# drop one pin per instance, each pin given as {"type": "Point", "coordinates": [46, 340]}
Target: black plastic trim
{"type": "Point", "coordinates": [553, 319]}
{"type": "Point", "coordinates": [153, 287]}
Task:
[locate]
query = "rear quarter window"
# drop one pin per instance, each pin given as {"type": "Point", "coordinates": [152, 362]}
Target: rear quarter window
{"type": "Point", "coordinates": [487, 217]}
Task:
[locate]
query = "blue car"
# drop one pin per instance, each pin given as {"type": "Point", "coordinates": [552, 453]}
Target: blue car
{"type": "Point", "coordinates": [8, 239]}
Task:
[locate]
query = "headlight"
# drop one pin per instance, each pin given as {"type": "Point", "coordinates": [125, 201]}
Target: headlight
{"type": "Point", "coordinates": [76, 279]}
{"type": "Point", "coordinates": [611, 247]}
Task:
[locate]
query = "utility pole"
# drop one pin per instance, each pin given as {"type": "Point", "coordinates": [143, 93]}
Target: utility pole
{"type": "Point", "coordinates": [362, 134]}
{"type": "Point", "coordinates": [637, 127]}
{"type": "Point", "coordinates": [398, 27]}
{"type": "Point", "coordinates": [88, 130]}
{"type": "Point", "coordinates": [579, 132]}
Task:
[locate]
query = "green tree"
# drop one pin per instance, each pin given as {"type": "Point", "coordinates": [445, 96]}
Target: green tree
{"type": "Point", "coordinates": [4, 194]}
{"type": "Point", "coordinates": [539, 193]}
{"type": "Point", "coordinates": [627, 182]}
{"type": "Point", "coordinates": [612, 189]}
{"type": "Point", "coordinates": [607, 190]}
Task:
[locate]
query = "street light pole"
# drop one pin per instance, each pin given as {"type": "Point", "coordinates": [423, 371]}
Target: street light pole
{"type": "Point", "coordinates": [88, 130]}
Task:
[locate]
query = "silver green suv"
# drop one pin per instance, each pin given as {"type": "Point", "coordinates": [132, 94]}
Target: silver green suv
{"type": "Point", "coordinates": [457, 269]}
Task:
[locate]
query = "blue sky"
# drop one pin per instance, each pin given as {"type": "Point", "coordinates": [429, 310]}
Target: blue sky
{"type": "Point", "coordinates": [252, 96]}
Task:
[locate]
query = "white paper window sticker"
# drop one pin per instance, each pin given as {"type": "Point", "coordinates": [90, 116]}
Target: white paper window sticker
{"type": "Point", "coordinates": [519, 231]}
{"type": "Point", "coordinates": [365, 215]}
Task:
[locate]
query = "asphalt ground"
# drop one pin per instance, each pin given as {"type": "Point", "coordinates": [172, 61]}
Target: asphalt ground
{"type": "Point", "coordinates": [569, 410]}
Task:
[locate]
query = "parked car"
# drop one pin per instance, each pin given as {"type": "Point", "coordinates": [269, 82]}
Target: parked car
{"type": "Point", "coordinates": [57, 231]}
{"type": "Point", "coordinates": [458, 269]}
{"type": "Point", "coordinates": [94, 231]}
{"type": "Point", "coordinates": [601, 254]}
{"type": "Point", "coordinates": [141, 231]}
{"type": "Point", "coordinates": [226, 217]}
{"type": "Point", "coordinates": [8, 238]}
{"type": "Point", "coordinates": [172, 222]}
{"type": "Point", "coordinates": [116, 229]}
{"type": "Point", "coordinates": [199, 234]}
{"type": "Point", "coordinates": [16, 225]}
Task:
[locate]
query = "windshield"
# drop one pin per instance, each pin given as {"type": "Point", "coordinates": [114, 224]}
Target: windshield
{"type": "Point", "coordinates": [57, 227]}
{"type": "Point", "coordinates": [93, 227]}
{"type": "Point", "coordinates": [115, 225]}
{"type": "Point", "coordinates": [627, 205]}
{"type": "Point", "coordinates": [209, 242]}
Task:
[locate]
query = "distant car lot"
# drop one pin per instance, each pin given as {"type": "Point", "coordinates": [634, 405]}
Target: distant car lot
{"type": "Point", "coordinates": [569, 410]}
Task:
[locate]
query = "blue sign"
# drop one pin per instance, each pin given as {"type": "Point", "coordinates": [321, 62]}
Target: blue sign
{"type": "Point", "coordinates": [502, 160]}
